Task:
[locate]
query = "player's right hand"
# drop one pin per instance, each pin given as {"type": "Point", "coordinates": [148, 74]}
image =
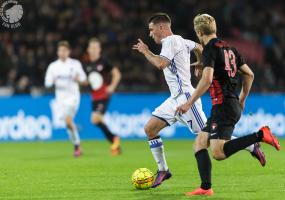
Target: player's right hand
{"type": "Point", "coordinates": [182, 109]}
{"type": "Point", "coordinates": [140, 46]}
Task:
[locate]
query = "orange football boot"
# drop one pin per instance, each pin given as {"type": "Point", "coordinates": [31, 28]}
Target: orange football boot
{"type": "Point", "coordinates": [115, 147]}
{"type": "Point", "coordinates": [269, 138]}
{"type": "Point", "coordinates": [200, 191]}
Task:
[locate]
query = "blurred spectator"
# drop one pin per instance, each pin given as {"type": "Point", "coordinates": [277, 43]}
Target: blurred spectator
{"type": "Point", "coordinates": [25, 52]}
{"type": "Point", "coordinates": [23, 85]}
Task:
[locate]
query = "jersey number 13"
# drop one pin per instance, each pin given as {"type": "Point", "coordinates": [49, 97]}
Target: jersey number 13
{"type": "Point", "coordinates": [230, 63]}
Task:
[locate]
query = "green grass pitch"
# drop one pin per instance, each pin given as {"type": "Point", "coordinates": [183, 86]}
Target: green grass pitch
{"type": "Point", "coordinates": [47, 170]}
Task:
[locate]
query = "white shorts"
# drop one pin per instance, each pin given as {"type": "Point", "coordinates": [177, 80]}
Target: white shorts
{"type": "Point", "coordinates": [194, 119]}
{"type": "Point", "coordinates": [70, 110]}
{"type": "Point", "coordinates": [66, 108]}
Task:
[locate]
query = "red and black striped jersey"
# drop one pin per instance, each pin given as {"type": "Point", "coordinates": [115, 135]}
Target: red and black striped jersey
{"type": "Point", "coordinates": [226, 61]}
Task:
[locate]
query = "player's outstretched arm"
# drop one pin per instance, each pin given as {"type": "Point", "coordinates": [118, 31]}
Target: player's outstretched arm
{"type": "Point", "coordinates": [247, 79]}
{"type": "Point", "coordinates": [202, 87]}
{"type": "Point", "coordinates": [156, 60]}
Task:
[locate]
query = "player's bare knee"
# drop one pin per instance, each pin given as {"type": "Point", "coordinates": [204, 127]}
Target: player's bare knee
{"type": "Point", "coordinates": [218, 155]}
{"type": "Point", "coordinates": [198, 145]}
{"type": "Point", "coordinates": [96, 119]}
{"type": "Point", "coordinates": [69, 123]}
{"type": "Point", "coordinates": [201, 142]}
{"type": "Point", "coordinates": [147, 130]}
{"type": "Point", "coordinates": [150, 132]}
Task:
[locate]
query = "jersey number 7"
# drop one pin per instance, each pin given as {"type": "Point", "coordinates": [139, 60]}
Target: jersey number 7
{"type": "Point", "coordinates": [230, 63]}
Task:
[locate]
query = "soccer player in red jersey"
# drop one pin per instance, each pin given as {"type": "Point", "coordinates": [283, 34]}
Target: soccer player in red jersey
{"type": "Point", "coordinates": [107, 79]}
{"type": "Point", "coordinates": [222, 65]}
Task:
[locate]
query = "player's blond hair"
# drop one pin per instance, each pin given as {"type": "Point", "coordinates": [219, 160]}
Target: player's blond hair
{"type": "Point", "coordinates": [205, 23]}
{"type": "Point", "coordinates": [94, 40]}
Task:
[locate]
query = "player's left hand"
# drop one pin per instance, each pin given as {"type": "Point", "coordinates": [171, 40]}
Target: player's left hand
{"type": "Point", "coordinates": [182, 108]}
{"type": "Point", "coordinates": [140, 46]}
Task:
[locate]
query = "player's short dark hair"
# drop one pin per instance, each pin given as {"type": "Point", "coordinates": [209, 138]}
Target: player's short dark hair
{"type": "Point", "coordinates": [159, 18]}
{"type": "Point", "coordinates": [94, 39]}
{"type": "Point", "coordinates": [63, 43]}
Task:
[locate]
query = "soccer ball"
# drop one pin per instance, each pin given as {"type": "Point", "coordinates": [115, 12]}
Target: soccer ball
{"type": "Point", "coordinates": [142, 178]}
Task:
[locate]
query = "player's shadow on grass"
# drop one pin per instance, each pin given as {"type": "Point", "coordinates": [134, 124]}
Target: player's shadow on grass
{"type": "Point", "coordinates": [160, 194]}
{"type": "Point", "coordinates": [146, 195]}
{"type": "Point", "coordinates": [165, 195]}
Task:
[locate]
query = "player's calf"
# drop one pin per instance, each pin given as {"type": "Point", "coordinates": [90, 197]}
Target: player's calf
{"type": "Point", "coordinates": [217, 149]}
{"type": "Point", "coordinates": [263, 135]}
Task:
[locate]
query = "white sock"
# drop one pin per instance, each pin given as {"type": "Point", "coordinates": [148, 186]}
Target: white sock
{"type": "Point", "coordinates": [74, 136]}
{"type": "Point", "coordinates": [157, 150]}
{"type": "Point", "coordinates": [249, 148]}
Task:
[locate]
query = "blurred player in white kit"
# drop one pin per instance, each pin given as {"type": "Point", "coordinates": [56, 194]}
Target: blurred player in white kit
{"type": "Point", "coordinates": [66, 74]}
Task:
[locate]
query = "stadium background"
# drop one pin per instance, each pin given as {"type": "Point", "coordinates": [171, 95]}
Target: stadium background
{"type": "Point", "coordinates": [27, 111]}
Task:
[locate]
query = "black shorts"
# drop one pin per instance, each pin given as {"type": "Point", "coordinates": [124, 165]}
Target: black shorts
{"type": "Point", "coordinates": [100, 105]}
{"type": "Point", "coordinates": [221, 123]}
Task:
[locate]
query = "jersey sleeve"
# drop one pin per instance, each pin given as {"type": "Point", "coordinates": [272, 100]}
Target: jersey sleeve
{"type": "Point", "coordinates": [49, 78]}
{"type": "Point", "coordinates": [80, 73]}
{"type": "Point", "coordinates": [190, 44]}
{"type": "Point", "coordinates": [167, 50]}
{"type": "Point", "coordinates": [209, 57]}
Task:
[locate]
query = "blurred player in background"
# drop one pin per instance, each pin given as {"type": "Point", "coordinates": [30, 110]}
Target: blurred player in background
{"type": "Point", "coordinates": [174, 60]}
{"type": "Point", "coordinates": [66, 74]}
{"type": "Point", "coordinates": [222, 66]}
{"type": "Point", "coordinates": [104, 79]}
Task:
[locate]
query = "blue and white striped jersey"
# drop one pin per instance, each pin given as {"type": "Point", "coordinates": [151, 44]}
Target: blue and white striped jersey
{"type": "Point", "coordinates": [177, 75]}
